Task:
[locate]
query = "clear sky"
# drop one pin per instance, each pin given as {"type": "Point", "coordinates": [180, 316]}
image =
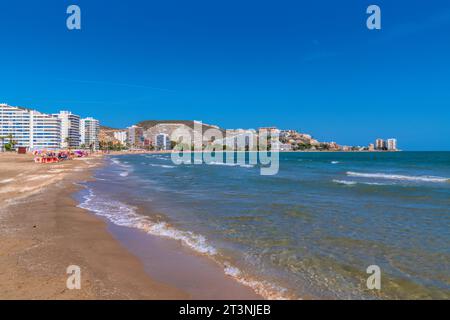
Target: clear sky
{"type": "Point", "coordinates": [306, 65]}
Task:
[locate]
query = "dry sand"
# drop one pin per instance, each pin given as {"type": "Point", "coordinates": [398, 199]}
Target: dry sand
{"type": "Point", "coordinates": [42, 232]}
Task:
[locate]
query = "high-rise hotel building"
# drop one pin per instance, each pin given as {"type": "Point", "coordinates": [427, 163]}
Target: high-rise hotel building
{"type": "Point", "coordinates": [392, 144]}
{"type": "Point", "coordinates": [380, 144]}
{"type": "Point", "coordinates": [36, 130]}
{"type": "Point", "coordinates": [70, 129]}
{"type": "Point", "coordinates": [29, 128]}
{"type": "Point", "coordinates": [121, 136]}
{"type": "Point", "coordinates": [89, 130]}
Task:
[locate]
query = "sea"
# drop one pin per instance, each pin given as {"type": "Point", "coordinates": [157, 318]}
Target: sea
{"type": "Point", "coordinates": [315, 230]}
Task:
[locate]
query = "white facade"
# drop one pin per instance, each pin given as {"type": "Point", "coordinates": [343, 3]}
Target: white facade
{"type": "Point", "coordinates": [392, 144]}
{"type": "Point", "coordinates": [16, 122]}
{"type": "Point", "coordinates": [30, 128]}
{"type": "Point", "coordinates": [89, 131]}
{"type": "Point", "coordinates": [136, 136]}
{"type": "Point", "coordinates": [380, 144]}
{"type": "Point", "coordinates": [162, 141]}
{"type": "Point", "coordinates": [70, 129]}
{"type": "Point", "coordinates": [121, 136]}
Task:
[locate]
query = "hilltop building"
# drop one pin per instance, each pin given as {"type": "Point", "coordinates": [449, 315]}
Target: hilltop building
{"type": "Point", "coordinates": [269, 130]}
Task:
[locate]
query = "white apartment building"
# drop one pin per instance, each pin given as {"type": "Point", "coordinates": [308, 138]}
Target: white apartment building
{"type": "Point", "coordinates": [392, 144]}
{"type": "Point", "coordinates": [162, 141]}
{"type": "Point", "coordinates": [89, 131]}
{"type": "Point", "coordinates": [380, 144]}
{"type": "Point", "coordinates": [29, 128]}
{"type": "Point", "coordinates": [70, 129]}
{"type": "Point", "coordinates": [121, 136]}
{"type": "Point", "coordinates": [136, 136]}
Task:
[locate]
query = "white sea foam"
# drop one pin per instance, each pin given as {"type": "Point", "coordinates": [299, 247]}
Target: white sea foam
{"type": "Point", "coordinates": [116, 161]}
{"type": "Point", "coordinates": [334, 162]}
{"type": "Point", "coordinates": [263, 288]}
{"type": "Point", "coordinates": [161, 165]}
{"type": "Point", "coordinates": [125, 215]}
{"type": "Point", "coordinates": [351, 182]}
{"type": "Point", "coordinates": [346, 182]}
{"type": "Point", "coordinates": [398, 177]}
{"type": "Point", "coordinates": [127, 167]}
{"type": "Point", "coordinates": [120, 163]}
{"type": "Point", "coordinates": [230, 164]}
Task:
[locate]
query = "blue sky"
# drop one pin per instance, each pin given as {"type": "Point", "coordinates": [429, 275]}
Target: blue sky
{"type": "Point", "coordinates": [306, 65]}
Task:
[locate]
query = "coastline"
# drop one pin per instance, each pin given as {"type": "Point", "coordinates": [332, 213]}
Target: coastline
{"type": "Point", "coordinates": [43, 231]}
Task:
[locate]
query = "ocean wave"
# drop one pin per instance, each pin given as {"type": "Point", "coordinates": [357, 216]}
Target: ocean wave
{"type": "Point", "coordinates": [125, 215]}
{"type": "Point", "coordinates": [232, 164]}
{"type": "Point", "coordinates": [263, 288]}
{"type": "Point", "coordinates": [161, 165]}
{"type": "Point", "coordinates": [127, 167]}
{"type": "Point", "coordinates": [120, 163]}
{"type": "Point", "coordinates": [398, 177]}
{"type": "Point", "coordinates": [351, 183]}
{"type": "Point", "coordinates": [116, 161]}
{"type": "Point", "coordinates": [334, 162]}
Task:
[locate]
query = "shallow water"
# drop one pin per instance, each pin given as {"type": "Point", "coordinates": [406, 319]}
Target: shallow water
{"type": "Point", "coordinates": [309, 231]}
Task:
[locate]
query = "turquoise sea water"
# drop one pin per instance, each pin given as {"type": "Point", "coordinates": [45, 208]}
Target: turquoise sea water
{"type": "Point", "coordinates": [309, 231]}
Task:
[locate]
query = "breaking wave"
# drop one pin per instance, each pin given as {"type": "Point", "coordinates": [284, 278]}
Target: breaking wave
{"type": "Point", "coordinates": [125, 215]}
{"type": "Point", "coordinates": [398, 177]}
{"type": "Point", "coordinates": [352, 183]}
{"type": "Point", "coordinates": [230, 164]}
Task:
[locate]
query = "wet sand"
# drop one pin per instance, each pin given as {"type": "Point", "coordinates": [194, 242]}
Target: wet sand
{"type": "Point", "coordinates": [42, 232]}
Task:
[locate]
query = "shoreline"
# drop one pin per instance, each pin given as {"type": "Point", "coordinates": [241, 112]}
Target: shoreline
{"type": "Point", "coordinates": [44, 231]}
{"type": "Point", "coordinates": [138, 222]}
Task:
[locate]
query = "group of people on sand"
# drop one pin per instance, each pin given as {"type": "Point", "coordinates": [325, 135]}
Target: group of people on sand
{"type": "Point", "coordinates": [48, 156]}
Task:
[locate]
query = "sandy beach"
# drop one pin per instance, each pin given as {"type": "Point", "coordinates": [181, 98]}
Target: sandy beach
{"type": "Point", "coordinates": [42, 232]}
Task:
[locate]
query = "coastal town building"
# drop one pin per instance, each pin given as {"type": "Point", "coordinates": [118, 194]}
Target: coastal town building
{"type": "Point", "coordinates": [165, 128]}
{"type": "Point", "coordinates": [392, 144]}
{"type": "Point", "coordinates": [89, 131]}
{"type": "Point", "coordinates": [162, 142]}
{"type": "Point", "coordinates": [45, 131]}
{"type": "Point", "coordinates": [135, 136]}
{"type": "Point", "coordinates": [285, 147]}
{"type": "Point", "coordinates": [269, 130]}
{"type": "Point", "coordinates": [121, 136]}
{"type": "Point", "coordinates": [70, 129]}
{"type": "Point", "coordinates": [288, 133]}
{"type": "Point", "coordinates": [29, 128]}
{"type": "Point", "coordinates": [15, 124]}
{"type": "Point", "coordinates": [238, 139]}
